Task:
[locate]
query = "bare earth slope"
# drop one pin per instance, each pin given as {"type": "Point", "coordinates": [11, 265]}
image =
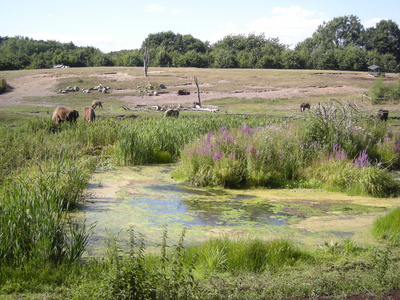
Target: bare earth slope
{"type": "Point", "coordinates": [43, 84]}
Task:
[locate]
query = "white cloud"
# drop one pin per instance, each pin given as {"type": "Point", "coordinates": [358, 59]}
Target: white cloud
{"type": "Point", "coordinates": [176, 12]}
{"type": "Point", "coordinates": [154, 8]}
{"type": "Point", "coordinates": [290, 24]}
{"type": "Point", "coordinates": [371, 23]}
{"type": "Point", "coordinates": [222, 31]}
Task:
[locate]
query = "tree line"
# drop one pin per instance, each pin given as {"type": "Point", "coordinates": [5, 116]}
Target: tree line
{"type": "Point", "coordinates": [340, 44]}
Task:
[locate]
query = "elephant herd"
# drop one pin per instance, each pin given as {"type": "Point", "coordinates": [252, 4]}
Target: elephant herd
{"type": "Point", "coordinates": [62, 114]}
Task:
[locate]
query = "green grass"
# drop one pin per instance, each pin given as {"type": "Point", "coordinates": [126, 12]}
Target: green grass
{"type": "Point", "coordinates": [221, 268]}
{"type": "Point", "coordinates": [44, 168]}
{"type": "Point", "coordinates": [388, 227]}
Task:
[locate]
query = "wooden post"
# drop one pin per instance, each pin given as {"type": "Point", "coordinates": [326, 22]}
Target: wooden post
{"type": "Point", "coordinates": [146, 60]}
{"type": "Point", "coordinates": [198, 90]}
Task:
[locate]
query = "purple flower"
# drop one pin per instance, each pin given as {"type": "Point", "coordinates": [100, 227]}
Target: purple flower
{"type": "Point", "coordinates": [252, 151]}
{"type": "Point", "coordinates": [246, 128]}
{"type": "Point", "coordinates": [218, 155]}
{"type": "Point", "coordinates": [362, 160]}
{"type": "Point", "coordinates": [338, 153]}
{"type": "Point", "coordinates": [232, 156]}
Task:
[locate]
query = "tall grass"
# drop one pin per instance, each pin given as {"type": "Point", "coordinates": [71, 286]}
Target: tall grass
{"type": "Point", "coordinates": [329, 147]}
{"type": "Point", "coordinates": [388, 227]}
{"type": "Point", "coordinates": [247, 255]}
{"type": "Point", "coordinates": [34, 225]}
{"type": "Point", "coordinates": [245, 156]}
{"type": "Point", "coordinates": [161, 140]}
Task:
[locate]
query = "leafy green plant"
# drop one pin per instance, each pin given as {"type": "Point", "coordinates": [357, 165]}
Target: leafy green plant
{"type": "Point", "coordinates": [3, 86]}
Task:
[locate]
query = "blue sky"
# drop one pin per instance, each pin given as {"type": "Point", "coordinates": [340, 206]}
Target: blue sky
{"type": "Point", "coordinates": [123, 24]}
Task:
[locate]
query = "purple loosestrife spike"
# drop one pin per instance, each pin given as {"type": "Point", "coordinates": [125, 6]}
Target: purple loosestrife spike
{"type": "Point", "coordinates": [218, 155]}
{"type": "Point", "coordinates": [362, 160]}
{"type": "Point", "coordinates": [232, 156]}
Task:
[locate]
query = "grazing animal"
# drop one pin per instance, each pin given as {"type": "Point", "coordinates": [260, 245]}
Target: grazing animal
{"type": "Point", "coordinates": [304, 106]}
{"type": "Point", "coordinates": [383, 114]}
{"type": "Point", "coordinates": [88, 114]}
{"type": "Point", "coordinates": [61, 114]}
{"type": "Point", "coordinates": [183, 92]}
{"type": "Point", "coordinates": [97, 103]}
{"type": "Point", "coordinates": [171, 113]}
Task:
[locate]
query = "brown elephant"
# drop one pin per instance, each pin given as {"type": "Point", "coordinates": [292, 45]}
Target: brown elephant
{"type": "Point", "coordinates": [61, 114]}
{"type": "Point", "coordinates": [88, 114]}
{"type": "Point", "coordinates": [97, 103]}
{"type": "Point", "coordinates": [304, 106]}
{"type": "Point", "coordinates": [171, 113]}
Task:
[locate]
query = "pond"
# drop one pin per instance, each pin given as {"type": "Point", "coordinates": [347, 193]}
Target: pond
{"type": "Point", "coordinates": [148, 200]}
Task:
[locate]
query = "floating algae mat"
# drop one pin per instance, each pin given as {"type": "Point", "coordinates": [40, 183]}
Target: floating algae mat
{"type": "Point", "coordinates": [148, 200]}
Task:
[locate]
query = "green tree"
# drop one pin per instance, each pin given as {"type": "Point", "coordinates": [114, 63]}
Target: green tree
{"type": "Point", "coordinates": [225, 59]}
{"type": "Point", "coordinates": [341, 32]}
{"type": "Point", "coordinates": [384, 38]}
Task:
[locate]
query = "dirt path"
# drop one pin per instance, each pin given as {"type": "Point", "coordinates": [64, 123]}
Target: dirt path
{"type": "Point", "coordinates": [41, 85]}
{"type": "Point", "coordinates": [269, 93]}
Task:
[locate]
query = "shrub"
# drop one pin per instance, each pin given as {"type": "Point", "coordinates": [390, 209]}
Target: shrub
{"type": "Point", "coordinates": [380, 90]}
{"type": "Point", "coordinates": [3, 86]}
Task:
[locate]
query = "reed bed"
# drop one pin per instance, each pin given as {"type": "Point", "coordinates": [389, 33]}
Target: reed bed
{"type": "Point", "coordinates": [161, 140]}
{"type": "Point", "coordinates": [35, 227]}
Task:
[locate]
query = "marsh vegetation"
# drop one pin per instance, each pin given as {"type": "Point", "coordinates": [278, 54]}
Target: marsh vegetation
{"type": "Point", "coordinates": [45, 168]}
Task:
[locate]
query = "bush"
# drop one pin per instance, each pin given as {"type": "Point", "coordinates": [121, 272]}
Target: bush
{"type": "Point", "coordinates": [3, 86]}
{"type": "Point", "coordinates": [380, 90]}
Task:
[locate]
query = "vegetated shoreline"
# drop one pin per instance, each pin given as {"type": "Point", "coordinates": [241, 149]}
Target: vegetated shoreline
{"type": "Point", "coordinates": [344, 256]}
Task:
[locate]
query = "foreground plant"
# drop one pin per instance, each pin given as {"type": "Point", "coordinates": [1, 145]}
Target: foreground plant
{"type": "Point", "coordinates": [388, 227]}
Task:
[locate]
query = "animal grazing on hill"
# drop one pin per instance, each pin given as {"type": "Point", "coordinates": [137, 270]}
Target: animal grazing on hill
{"type": "Point", "coordinates": [171, 113]}
{"type": "Point", "coordinates": [383, 114]}
{"type": "Point", "coordinates": [88, 114]}
{"type": "Point", "coordinates": [183, 92]}
{"type": "Point", "coordinates": [305, 106]}
{"type": "Point", "coordinates": [61, 114]}
{"type": "Point", "coordinates": [97, 103]}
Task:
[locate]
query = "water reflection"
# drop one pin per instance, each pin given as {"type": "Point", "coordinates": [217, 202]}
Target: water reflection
{"type": "Point", "coordinates": [174, 209]}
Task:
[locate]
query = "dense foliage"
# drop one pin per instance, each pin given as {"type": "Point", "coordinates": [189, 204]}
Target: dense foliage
{"type": "Point", "coordinates": [44, 169]}
{"type": "Point", "coordinates": [381, 91]}
{"type": "Point", "coordinates": [340, 44]}
{"type": "Point", "coordinates": [332, 146]}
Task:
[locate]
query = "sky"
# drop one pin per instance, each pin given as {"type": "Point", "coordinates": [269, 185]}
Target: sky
{"type": "Point", "coordinates": [125, 24]}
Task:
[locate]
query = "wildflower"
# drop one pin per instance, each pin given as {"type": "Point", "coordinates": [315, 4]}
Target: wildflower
{"type": "Point", "coordinates": [362, 160]}
{"type": "Point", "coordinates": [338, 153]}
{"type": "Point", "coordinates": [252, 151]}
{"type": "Point", "coordinates": [218, 155]}
{"type": "Point", "coordinates": [232, 156]}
